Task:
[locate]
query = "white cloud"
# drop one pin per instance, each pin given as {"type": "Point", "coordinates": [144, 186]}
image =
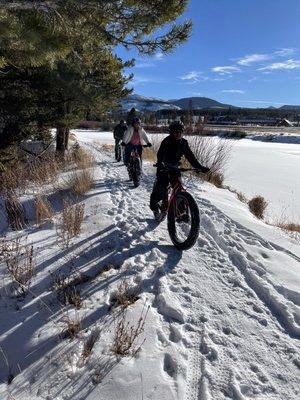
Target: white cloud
{"type": "Point", "coordinates": [144, 65]}
{"type": "Point", "coordinates": [159, 56]}
{"type": "Point", "coordinates": [287, 65]}
{"type": "Point", "coordinates": [253, 58]}
{"type": "Point", "coordinates": [233, 91]}
{"type": "Point", "coordinates": [192, 77]}
{"type": "Point", "coordinates": [285, 52]}
{"type": "Point", "coordinates": [226, 70]}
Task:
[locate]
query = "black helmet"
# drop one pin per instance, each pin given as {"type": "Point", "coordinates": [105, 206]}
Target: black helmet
{"type": "Point", "coordinates": [136, 120]}
{"type": "Point", "coordinates": [176, 127]}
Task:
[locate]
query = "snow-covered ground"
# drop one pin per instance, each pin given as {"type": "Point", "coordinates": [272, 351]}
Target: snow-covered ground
{"type": "Point", "coordinates": [223, 318]}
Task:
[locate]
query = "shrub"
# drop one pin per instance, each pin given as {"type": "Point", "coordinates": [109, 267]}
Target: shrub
{"type": "Point", "coordinates": [70, 222]}
{"type": "Point", "coordinates": [80, 182]}
{"type": "Point", "coordinates": [124, 342]}
{"type": "Point", "coordinates": [15, 211]}
{"type": "Point", "coordinates": [21, 267]}
{"type": "Point", "coordinates": [213, 153]}
{"type": "Point", "coordinates": [216, 178]}
{"type": "Point", "coordinates": [73, 326]}
{"type": "Point", "coordinates": [43, 210]}
{"type": "Point", "coordinates": [125, 295]}
{"type": "Point", "coordinates": [257, 205]}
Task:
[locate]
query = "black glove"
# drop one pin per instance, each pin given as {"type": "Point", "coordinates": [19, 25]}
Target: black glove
{"type": "Point", "coordinates": [123, 144]}
{"type": "Point", "coordinates": [203, 170]}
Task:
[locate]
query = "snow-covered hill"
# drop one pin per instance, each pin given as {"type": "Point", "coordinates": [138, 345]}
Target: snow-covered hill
{"type": "Point", "coordinates": [143, 103]}
{"type": "Point", "coordinates": [223, 318]}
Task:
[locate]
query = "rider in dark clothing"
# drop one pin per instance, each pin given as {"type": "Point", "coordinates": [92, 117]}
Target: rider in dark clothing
{"type": "Point", "coordinates": [119, 132]}
{"type": "Point", "coordinates": [171, 150]}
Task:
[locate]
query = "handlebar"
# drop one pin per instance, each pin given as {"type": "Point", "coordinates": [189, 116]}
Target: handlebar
{"type": "Point", "coordinates": [173, 168]}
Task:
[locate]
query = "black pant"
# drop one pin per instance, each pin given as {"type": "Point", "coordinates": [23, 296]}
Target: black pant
{"type": "Point", "coordinates": [160, 187]}
{"type": "Point", "coordinates": [128, 149]}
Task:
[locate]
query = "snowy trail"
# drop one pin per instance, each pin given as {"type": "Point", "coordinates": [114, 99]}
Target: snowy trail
{"type": "Point", "coordinates": [235, 331]}
{"type": "Point", "coordinates": [220, 325]}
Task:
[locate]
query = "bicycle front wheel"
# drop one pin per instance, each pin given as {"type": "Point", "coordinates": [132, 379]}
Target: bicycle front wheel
{"type": "Point", "coordinates": [136, 172]}
{"type": "Point", "coordinates": [183, 221]}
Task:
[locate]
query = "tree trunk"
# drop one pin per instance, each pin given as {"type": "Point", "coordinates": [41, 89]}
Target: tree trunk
{"type": "Point", "coordinates": [62, 139]}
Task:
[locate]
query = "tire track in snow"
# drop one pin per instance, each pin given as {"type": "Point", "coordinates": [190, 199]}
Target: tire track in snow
{"type": "Point", "coordinates": [211, 335]}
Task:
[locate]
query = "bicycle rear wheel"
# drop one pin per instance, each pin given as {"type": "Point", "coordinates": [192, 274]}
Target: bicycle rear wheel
{"type": "Point", "coordinates": [183, 221]}
{"type": "Point", "coordinates": [118, 153]}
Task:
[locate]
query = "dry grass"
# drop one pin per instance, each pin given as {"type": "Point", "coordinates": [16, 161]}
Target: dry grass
{"type": "Point", "coordinates": [42, 170]}
{"type": "Point", "coordinates": [66, 288]}
{"type": "Point", "coordinates": [80, 182]}
{"type": "Point", "coordinates": [82, 158]}
{"type": "Point", "coordinates": [72, 326]}
{"type": "Point", "coordinates": [126, 335]}
{"type": "Point", "coordinates": [90, 342]}
{"type": "Point", "coordinates": [216, 178]}
{"type": "Point", "coordinates": [21, 267]}
{"type": "Point", "coordinates": [15, 211]}
{"type": "Point", "coordinates": [43, 210]}
{"type": "Point", "coordinates": [291, 227]}
{"type": "Point", "coordinates": [257, 205]}
{"type": "Point", "coordinates": [70, 222]}
{"type": "Point", "coordinates": [125, 295]}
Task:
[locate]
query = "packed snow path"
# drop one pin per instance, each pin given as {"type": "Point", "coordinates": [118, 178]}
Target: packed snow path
{"type": "Point", "coordinates": [237, 339]}
{"type": "Point", "coordinates": [218, 326]}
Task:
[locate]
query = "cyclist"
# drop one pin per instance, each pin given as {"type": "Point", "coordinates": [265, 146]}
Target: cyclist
{"type": "Point", "coordinates": [119, 132]}
{"type": "Point", "coordinates": [135, 137]}
{"type": "Point", "coordinates": [171, 150]}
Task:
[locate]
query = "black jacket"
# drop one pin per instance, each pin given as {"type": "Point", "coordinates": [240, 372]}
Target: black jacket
{"type": "Point", "coordinates": [119, 131]}
{"type": "Point", "coordinates": [171, 151]}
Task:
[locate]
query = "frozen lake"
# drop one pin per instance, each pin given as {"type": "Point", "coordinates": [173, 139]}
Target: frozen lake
{"type": "Point", "coordinates": [271, 170]}
{"type": "Point", "coordinates": [255, 168]}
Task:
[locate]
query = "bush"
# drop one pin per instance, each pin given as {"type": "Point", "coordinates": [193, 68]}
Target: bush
{"type": "Point", "coordinates": [43, 210]}
{"type": "Point", "coordinates": [21, 267]}
{"type": "Point", "coordinates": [257, 205]}
{"type": "Point", "coordinates": [80, 182]}
{"type": "Point", "coordinates": [213, 153]}
{"type": "Point", "coordinates": [15, 212]}
{"type": "Point", "coordinates": [70, 223]}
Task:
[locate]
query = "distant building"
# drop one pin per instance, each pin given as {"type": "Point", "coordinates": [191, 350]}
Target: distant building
{"type": "Point", "coordinates": [257, 121]}
{"type": "Point", "coordinates": [284, 122]}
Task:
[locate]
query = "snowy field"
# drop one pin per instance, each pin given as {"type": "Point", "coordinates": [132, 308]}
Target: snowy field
{"type": "Point", "coordinates": [223, 319]}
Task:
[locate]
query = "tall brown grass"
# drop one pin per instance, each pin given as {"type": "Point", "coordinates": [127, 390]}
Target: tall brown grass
{"type": "Point", "coordinates": [21, 267]}
{"type": "Point", "coordinates": [43, 210]}
{"type": "Point", "coordinates": [70, 221]}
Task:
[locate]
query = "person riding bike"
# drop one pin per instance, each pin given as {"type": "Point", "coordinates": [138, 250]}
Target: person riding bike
{"type": "Point", "coordinates": [119, 132]}
{"type": "Point", "coordinates": [135, 137]}
{"type": "Point", "coordinates": [170, 153]}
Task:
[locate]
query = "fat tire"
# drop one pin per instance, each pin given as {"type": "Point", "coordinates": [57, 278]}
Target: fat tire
{"type": "Point", "coordinates": [136, 172]}
{"type": "Point", "coordinates": [195, 222]}
{"type": "Point", "coordinates": [119, 154]}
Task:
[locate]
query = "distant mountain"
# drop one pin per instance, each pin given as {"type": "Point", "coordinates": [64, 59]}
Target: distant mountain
{"type": "Point", "coordinates": [142, 103]}
{"type": "Point", "coordinates": [289, 107]}
{"type": "Point", "coordinates": [199, 102]}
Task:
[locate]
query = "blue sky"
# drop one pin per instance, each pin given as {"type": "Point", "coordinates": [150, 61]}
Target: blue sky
{"type": "Point", "coordinates": [241, 52]}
